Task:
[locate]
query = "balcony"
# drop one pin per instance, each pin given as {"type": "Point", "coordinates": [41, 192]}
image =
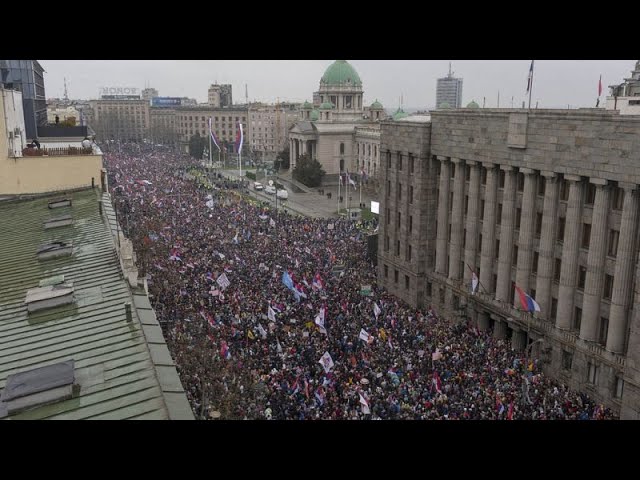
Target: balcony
{"type": "Point", "coordinates": [56, 152]}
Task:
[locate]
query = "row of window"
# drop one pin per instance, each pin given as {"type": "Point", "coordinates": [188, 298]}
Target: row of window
{"type": "Point", "coordinates": [396, 276]}
{"type": "Point", "coordinates": [593, 371]}
{"type": "Point", "coordinates": [399, 192]}
{"type": "Point", "coordinates": [399, 161]}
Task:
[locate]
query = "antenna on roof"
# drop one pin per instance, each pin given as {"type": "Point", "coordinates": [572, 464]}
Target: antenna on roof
{"type": "Point", "coordinates": [66, 96]}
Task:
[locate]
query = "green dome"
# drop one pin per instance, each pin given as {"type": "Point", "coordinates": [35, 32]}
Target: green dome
{"type": "Point", "coordinates": [307, 106]}
{"type": "Point", "coordinates": [473, 104]}
{"type": "Point", "coordinates": [400, 114]}
{"type": "Point", "coordinates": [327, 106]}
{"type": "Point", "coordinates": [444, 105]}
{"type": "Point", "coordinates": [377, 105]}
{"type": "Point", "coordinates": [341, 73]}
{"type": "Point", "coordinates": [314, 115]}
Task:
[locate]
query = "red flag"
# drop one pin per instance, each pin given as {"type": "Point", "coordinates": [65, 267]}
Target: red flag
{"type": "Point", "coordinates": [510, 411]}
{"type": "Point", "coordinates": [600, 86]}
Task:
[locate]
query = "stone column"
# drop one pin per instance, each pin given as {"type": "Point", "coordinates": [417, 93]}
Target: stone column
{"type": "Point", "coordinates": [595, 262]}
{"type": "Point", "coordinates": [443, 217]}
{"type": "Point", "coordinates": [516, 338]}
{"type": "Point", "coordinates": [457, 220]}
{"type": "Point", "coordinates": [471, 241]}
{"type": "Point", "coordinates": [570, 246]}
{"type": "Point", "coordinates": [483, 321]}
{"type": "Point", "coordinates": [623, 278]}
{"type": "Point", "coordinates": [507, 224]}
{"type": "Point", "coordinates": [525, 238]}
{"type": "Point", "coordinates": [291, 153]}
{"type": "Point", "coordinates": [487, 256]}
{"type": "Point", "coordinates": [500, 329]}
{"type": "Point", "coordinates": [546, 257]}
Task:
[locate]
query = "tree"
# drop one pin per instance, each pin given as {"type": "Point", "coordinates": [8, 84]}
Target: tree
{"type": "Point", "coordinates": [308, 171]}
{"type": "Point", "coordinates": [282, 159]}
{"type": "Point", "coordinates": [196, 146]}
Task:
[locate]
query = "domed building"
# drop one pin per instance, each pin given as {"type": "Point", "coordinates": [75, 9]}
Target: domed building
{"type": "Point", "coordinates": [340, 132]}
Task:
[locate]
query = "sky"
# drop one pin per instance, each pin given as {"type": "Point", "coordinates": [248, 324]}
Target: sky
{"type": "Point", "coordinates": [557, 83]}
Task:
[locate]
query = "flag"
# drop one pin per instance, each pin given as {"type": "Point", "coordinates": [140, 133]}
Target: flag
{"type": "Point", "coordinates": [235, 239]}
{"type": "Point", "coordinates": [376, 309]}
{"type": "Point", "coordinates": [262, 331]}
{"type": "Point", "coordinates": [510, 411]}
{"type": "Point", "coordinates": [239, 138]}
{"type": "Point", "coordinates": [527, 302]}
{"type": "Point", "coordinates": [224, 350]}
{"type": "Point", "coordinates": [363, 175]}
{"type": "Point", "coordinates": [250, 335]}
{"type": "Point", "coordinates": [437, 355]}
{"type": "Point", "coordinates": [272, 222]}
{"type": "Point", "coordinates": [363, 335]}
{"type": "Point", "coordinates": [437, 383]}
{"type": "Point", "coordinates": [214, 139]}
{"type": "Point", "coordinates": [317, 282]}
{"type": "Point", "coordinates": [223, 281]}
{"type": "Point", "coordinates": [350, 180]}
{"type": "Point", "coordinates": [326, 361]}
{"type": "Point", "coordinates": [319, 320]}
{"type": "Point", "coordinates": [474, 283]}
{"type": "Point", "coordinates": [365, 405]}
{"type": "Point", "coordinates": [341, 181]}
{"type": "Point", "coordinates": [271, 314]}
{"type": "Point", "coordinates": [530, 78]}
{"type": "Point", "coordinates": [286, 279]}
{"type": "Point", "coordinates": [279, 347]}
{"type": "Point", "coordinates": [600, 86]}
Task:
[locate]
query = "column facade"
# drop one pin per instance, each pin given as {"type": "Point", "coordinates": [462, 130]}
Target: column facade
{"type": "Point", "coordinates": [546, 256]}
{"type": "Point", "coordinates": [622, 291]}
{"type": "Point", "coordinates": [487, 256]}
{"type": "Point", "coordinates": [525, 239]}
{"type": "Point", "coordinates": [457, 220]}
{"type": "Point", "coordinates": [595, 262]}
{"type": "Point", "coordinates": [570, 246]}
{"type": "Point", "coordinates": [500, 329]}
{"type": "Point", "coordinates": [507, 224]}
{"type": "Point", "coordinates": [442, 246]}
{"type": "Point", "coordinates": [471, 240]}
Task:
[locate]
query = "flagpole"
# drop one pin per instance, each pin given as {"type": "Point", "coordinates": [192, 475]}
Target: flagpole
{"type": "Point", "coordinates": [479, 282]}
{"type": "Point", "coordinates": [531, 86]}
{"type": "Point", "coordinates": [360, 193]}
{"type": "Point", "coordinates": [339, 182]}
{"type": "Point", "coordinates": [210, 160]}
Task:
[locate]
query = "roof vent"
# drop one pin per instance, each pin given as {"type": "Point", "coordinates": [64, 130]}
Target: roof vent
{"type": "Point", "coordinates": [48, 297]}
{"type": "Point", "coordinates": [58, 222]}
{"type": "Point", "coordinates": [60, 202]}
{"type": "Point", "coordinates": [40, 386]}
{"type": "Point", "coordinates": [55, 249]}
{"type": "Point", "coordinates": [45, 282]}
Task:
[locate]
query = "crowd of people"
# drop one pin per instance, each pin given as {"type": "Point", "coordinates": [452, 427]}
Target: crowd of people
{"type": "Point", "coordinates": [269, 315]}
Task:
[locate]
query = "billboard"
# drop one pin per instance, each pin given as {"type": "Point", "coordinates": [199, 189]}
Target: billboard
{"type": "Point", "coordinates": [119, 91]}
{"type": "Point", "coordinates": [166, 101]}
{"type": "Point", "coordinates": [375, 207]}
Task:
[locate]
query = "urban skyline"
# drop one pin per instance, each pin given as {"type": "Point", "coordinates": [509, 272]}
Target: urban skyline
{"type": "Point", "coordinates": [557, 84]}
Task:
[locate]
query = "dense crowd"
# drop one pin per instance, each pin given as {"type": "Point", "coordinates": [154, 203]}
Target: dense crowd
{"type": "Point", "coordinates": [266, 316]}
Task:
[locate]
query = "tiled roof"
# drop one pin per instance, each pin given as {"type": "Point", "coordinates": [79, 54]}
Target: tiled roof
{"type": "Point", "coordinates": [117, 375]}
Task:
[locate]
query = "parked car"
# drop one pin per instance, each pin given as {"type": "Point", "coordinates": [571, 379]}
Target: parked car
{"type": "Point", "coordinates": [270, 189]}
{"type": "Point", "coordinates": [283, 194]}
{"type": "Point", "coordinates": [258, 186]}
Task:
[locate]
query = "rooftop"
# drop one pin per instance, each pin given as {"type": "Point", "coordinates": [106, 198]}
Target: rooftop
{"type": "Point", "coordinates": [121, 369]}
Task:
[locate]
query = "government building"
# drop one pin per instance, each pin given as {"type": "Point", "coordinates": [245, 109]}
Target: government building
{"type": "Point", "coordinates": [543, 199]}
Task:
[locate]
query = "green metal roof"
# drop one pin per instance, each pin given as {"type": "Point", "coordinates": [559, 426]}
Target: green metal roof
{"type": "Point", "coordinates": [444, 105]}
{"type": "Point", "coordinates": [114, 364]}
{"type": "Point", "coordinates": [400, 114]}
{"type": "Point", "coordinates": [341, 73]}
{"type": "Point", "coordinates": [473, 104]}
{"type": "Point", "coordinates": [327, 106]}
{"type": "Point", "coordinates": [376, 105]}
{"type": "Point", "coordinates": [307, 106]}
{"type": "Point", "coordinates": [314, 115]}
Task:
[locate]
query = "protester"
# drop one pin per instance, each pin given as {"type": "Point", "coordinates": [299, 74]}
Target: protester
{"type": "Point", "coordinates": [265, 319]}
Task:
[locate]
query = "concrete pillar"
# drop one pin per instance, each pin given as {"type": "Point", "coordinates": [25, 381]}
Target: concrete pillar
{"type": "Point", "coordinates": [483, 321]}
{"type": "Point", "coordinates": [595, 262]}
{"type": "Point", "coordinates": [570, 248]}
{"type": "Point", "coordinates": [623, 278]}
{"type": "Point", "coordinates": [507, 225]}
{"type": "Point", "coordinates": [546, 256]}
{"type": "Point", "coordinates": [500, 329]}
{"type": "Point", "coordinates": [443, 217]}
{"type": "Point", "coordinates": [471, 241]}
{"type": "Point", "coordinates": [292, 163]}
{"type": "Point", "coordinates": [487, 256]}
{"type": "Point", "coordinates": [525, 238]}
{"type": "Point", "coordinates": [518, 339]}
{"type": "Point", "coordinates": [457, 220]}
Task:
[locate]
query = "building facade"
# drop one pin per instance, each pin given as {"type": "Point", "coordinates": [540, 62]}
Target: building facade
{"type": "Point", "coordinates": [219, 96]}
{"type": "Point", "coordinates": [27, 76]}
{"type": "Point", "coordinates": [124, 119]}
{"type": "Point", "coordinates": [625, 97]}
{"type": "Point", "coordinates": [190, 121]}
{"type": "Point", "coordinates": [149, 93]}
{"type": "Point", "coordinates": [449, 91]}
{"type": "Point", "coordinates": [332, 133]}
{"type": "Point", "coordinates": [543, 199]}
{"type": "Point", "coordinates": [269, 128]}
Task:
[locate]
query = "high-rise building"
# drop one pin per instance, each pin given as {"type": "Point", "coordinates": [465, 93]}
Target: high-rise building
{"type": "Point", "coordinates": [477, 202]}
{"type": "Point", "coordinates": [449, 91]}
{"type": "Point", "coordinates": [27, 76]}
{"type": "Point", "coordinates": [220, 96]}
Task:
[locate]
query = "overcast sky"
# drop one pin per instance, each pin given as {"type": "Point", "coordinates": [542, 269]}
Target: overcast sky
{"type": "Point", "coordinates": [557, 83]}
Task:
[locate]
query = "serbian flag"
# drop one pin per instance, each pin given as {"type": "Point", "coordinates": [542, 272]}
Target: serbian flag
{"type": "Point", "coordinates": [224, 350]}
{"type": "Point", "coordinates": [600, 86]}
{"type": "Point", "coordinates": [350, 180]}
{"type": "Point", "coordinates": [474, 283]}
{"type": "Point", "coordinates": [530, 78]}
{"type": "Point", "coordinates": [527, 302]}
{"type": "Point", "coordinates": [437, 383]}
{"type": "Point", "coordinates": [239, 138]}
{"type": "Point", "coordinates": [214, 139]}
{"type": "Point", "coordinates": [317, 282]}
{"type": "Point", "coordinates": [363, 174]}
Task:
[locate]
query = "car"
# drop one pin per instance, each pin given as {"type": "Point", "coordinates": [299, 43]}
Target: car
{"type": "Point", "coordinates": [270, 189]}
{"type": "Point", "coordinates": [258, 186]}
{"type": "Point", "coordinates": [283, 194]}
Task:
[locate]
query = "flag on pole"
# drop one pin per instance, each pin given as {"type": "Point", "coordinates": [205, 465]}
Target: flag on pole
{"type": "Point", "coordinates": [350, 180]}
{"type": "Point", "coordinates": [600, 86]}
{"type": "Point", "coordinates": [437, 383]}
{"type": "Point", "coordinates": [327, 362]}
{"type": "Point", "coordinates": [365, 405]}
{"type": "Point", "coordinates": [530, 78]}
{"type": "Point", "coordinates": [223, 281]}
{"type": "Point", "coordinates": [319, 320]}
{"type": "Point", "coordinates": [271, 314]}
{"type": "Point", "coordinates": [239, 138]}
{"type": "Point", "coordinates": [341, 181]}
{"type": "Point", "coordinates": [363, 335]}
{"type": "Point", "coordinates": [376, 309]}
{"type": "Point", "coordinates": [474, 283]}
{"type": "Point", "coordinates": [363, 175]}
{"type": "Point", "coordinates": [527, 302]}
{"type": "Point", "coordinates": [214, 139]}
{"type": "Point", "coordinates": [286, 279]}
{"type": "Point", "coordinates": [510, 411]}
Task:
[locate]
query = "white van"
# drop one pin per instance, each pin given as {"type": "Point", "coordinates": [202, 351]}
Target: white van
{"type": "Point", "coordinates": [258, 186]}
{"type": "Point", "coordinates": [270, 189]}
{"type": "Point", "coordinates": [283, 194]}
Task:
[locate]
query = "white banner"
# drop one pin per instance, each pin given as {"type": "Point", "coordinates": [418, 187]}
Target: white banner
{"type": "Point", "coordinates": [326, 361]}
{"type": "Point", "coordinates": [223, 281]}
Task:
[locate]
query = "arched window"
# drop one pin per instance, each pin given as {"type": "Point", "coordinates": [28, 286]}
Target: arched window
{"type": "Point", "coordinates": [342, 149]}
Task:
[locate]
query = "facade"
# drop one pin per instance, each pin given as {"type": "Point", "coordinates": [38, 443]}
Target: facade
{"type": "Point", "coordinates": [149, 93]}
{"type": "Point", "coordinates": [27, 76]}
{"type": "Point", "coordinates": [449, 91]}
{"type": "Point", "coordinates": [269, 128]}
{"type": "Point", "coordinates": [63, 114]}
{"type": "Point", "coordinates": [625, 97]}
{"type": "Point", "coordinates": [190, 121]}
{"type": "Point", "coordinates": [121, 119]}
{"type": "Point", "coordinates": [162, 125]}
{"type": "Point", "coordinates": [543, 199]}
{"type": "Point", "coordinates": [219, 96]}
{"type": "Point", "coordinates": [333, 132]}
